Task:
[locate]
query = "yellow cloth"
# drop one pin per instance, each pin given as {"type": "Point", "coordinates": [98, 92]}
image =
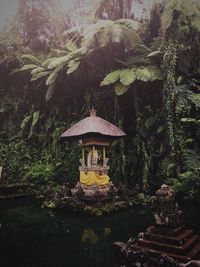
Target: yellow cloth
{"type": "Point", "coordinates": [91, 177]}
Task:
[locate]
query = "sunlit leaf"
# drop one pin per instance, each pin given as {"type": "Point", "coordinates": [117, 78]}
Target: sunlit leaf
{"type": "Point", "coordinates": [54, 75]}
{"type": "Point", "coordinates": [73, 65]}
{"type": "Point", "coordinates": [25, 121]}
{"type": "Point", "coordinates": [36, 116]}
{"type": "Point", "coordinates": [40, 75]}
{"type": "Point", "coordinates": [37, 70]}
{"type": "Point", "coordinates": [120, 89]}
{"type": "Point", "coordinates": [31, 58]}
{"type": "Point", "coordinates": [127, 76]}
{"type": "Point", "coordinates": [154, 53]}
{"type": "Point", "coordinates": [111, 78]}
{"type": "Point", "coordinates": [28, 67]}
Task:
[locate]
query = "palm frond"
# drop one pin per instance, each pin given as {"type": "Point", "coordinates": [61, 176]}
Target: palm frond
{"type": "Point", "coordinates": [106, 31]}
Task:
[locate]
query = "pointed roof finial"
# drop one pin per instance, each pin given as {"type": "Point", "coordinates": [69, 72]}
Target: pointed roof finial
{"type": "Point", "coordinates": [93, 112]}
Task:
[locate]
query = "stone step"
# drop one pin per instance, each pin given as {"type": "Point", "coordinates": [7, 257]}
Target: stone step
{"type": "Point", "coordinates": [178, 240]}
{"type": "Point", "coordinates": [166, 230]}
{"type": "Point", "coordinates": [168, 248]}
{"type": "Point", "coordinates": [193, 254]}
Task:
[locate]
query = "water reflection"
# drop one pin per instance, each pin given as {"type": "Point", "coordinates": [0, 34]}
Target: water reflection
{"type": "Point", "coordinates": [35, 237]}
{"type": "Point", "coordinates": [90, 237]}
{"type": "Point", "coordinates": [95, 246]}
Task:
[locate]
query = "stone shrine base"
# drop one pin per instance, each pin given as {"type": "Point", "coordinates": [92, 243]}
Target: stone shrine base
{"type": "Point", "coordinates": [176, 243]}
{"type": "Point", "coordinates": [94, 192]}
{"type": "Point", "coordinates": [73, 204]}
{"type": "Point", "coordinates": [94, 200]}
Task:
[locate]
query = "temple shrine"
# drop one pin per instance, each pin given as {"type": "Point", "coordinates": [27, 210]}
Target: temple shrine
{"type": "Point", "coordinates": [94, 135]}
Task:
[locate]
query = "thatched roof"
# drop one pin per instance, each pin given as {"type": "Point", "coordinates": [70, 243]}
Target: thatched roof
{"type": "Point", "coordinates": [95, 126]}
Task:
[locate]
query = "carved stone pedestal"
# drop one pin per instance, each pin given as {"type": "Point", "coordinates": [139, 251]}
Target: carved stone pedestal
{"type": "Point", "coordinates": [94, 192]}
{"type": "Point", "coordinates": [178, 243]}
{"type": "Point", "coordinates": [168, 243]}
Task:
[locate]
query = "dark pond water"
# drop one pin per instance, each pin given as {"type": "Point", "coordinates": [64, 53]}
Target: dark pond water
{"type": "Point", "coordinates": [35, 237]}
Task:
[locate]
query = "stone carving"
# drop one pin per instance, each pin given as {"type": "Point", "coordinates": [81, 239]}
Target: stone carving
{"type": "Point", "coordinates": [93, 158]}
{"type": "Point", "coordinates": [166, 261]}
{"type": "Point", "coordinates": [82, 162]}
{"type": "Point", "coordinates": [165, 210]}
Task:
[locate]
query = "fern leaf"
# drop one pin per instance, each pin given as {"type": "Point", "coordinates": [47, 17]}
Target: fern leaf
{"type": "Point", "coordinates": [120, 89]}
{"type": "Point", "coordinates": [191, 159]}
{"type": "Point", "coordinates": [130, 23]}
{"type": "Point", "coordinates": [127, 76]}
{"type": "Point", "coordinates": [111, 78]}
{"type": "Point", "coordinates": [149, 73]}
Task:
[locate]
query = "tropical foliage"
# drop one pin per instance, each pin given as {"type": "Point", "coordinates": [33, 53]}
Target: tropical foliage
{"type": "Point", "coordinates": [141, 74]}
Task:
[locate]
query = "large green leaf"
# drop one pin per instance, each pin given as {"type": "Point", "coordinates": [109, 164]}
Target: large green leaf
{"type": "Point", "coordinates": [47, 62]}
{"type": "Point", "coordinates": [35, 119]}
{"type": "Point", "coordinates": [31, 58]}
{"type": "Point", "coordinates": [154, 54]}
{"type": "Point", "coordinates": [37, 70]}
{"type": "Point", "coordinates": [36, 116]}
{"type": "Point", "coordinates": [40, 75]}
{"type": "Point", "coordinates": [120, 89]}
{"type": "Point", "coordinates": [127, 76]}
{"type": "Point", "coordinates": [54, 75]}
{"type": "Point", "coordinates": [25, 121]}
{"type": "Point", "coordinates": [58, 61]}
{"type": "Point", "coordinates": [111, 78]}
{"type": "Point", "coordinates": [28, 67]}
{"type": "Point", "coordinates": [73, 65]}
{"type": "Point", "coordinates": [50, 92]}
{"type": "Point", "coordinates": [71, 46]}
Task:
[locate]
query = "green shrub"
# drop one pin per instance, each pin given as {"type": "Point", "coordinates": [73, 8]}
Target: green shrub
{"type": "Point", "coordinates": [39, 171]}
{"type": "Point", "coordinates": [188, 184]}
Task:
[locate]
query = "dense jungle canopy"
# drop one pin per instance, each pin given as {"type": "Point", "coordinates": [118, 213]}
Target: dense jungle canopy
{"type": "Point", "coordinates": [137, 62]}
